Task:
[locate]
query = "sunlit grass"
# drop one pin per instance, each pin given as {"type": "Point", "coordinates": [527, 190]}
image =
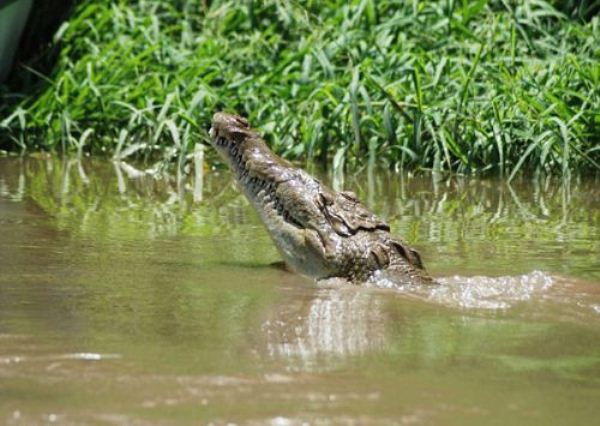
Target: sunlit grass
{"type": "Point", "coordinates": [467, 87]}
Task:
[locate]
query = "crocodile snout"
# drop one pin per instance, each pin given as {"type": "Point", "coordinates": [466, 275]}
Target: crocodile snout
{"type": "Point", "coordinates": [227, 125]}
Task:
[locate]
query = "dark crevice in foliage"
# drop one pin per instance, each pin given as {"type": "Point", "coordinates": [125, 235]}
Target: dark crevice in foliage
{"type": "Point", "coordinates": [36, 48]}
{"type": "Point", "coordinates": [584, 10]}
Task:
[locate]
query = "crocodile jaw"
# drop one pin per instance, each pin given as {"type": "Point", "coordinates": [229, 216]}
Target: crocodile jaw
{"type": "Point", "coordinates": [261, 176]}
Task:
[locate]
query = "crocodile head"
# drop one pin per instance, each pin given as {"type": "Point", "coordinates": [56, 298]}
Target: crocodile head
{"type": "Point", "coordinates": [284, 196]}
{"type": "Point", "coordinates": [231, 136]}
{"type": "Point", "coordinates": [255, 167]}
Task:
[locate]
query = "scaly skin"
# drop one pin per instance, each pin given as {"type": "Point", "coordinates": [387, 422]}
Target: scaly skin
{"type": "Point", "coordinates": [319, 232]}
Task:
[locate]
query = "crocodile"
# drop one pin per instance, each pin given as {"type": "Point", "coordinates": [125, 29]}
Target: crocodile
{"type": "Point", "coordinates": [319, 232]}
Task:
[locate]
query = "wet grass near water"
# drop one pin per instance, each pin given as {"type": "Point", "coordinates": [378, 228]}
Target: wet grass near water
{"type": "Point", "coordinates": [467, 87]}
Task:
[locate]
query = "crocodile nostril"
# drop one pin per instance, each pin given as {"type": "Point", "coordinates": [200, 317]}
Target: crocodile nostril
{"type": "Point", "coordinates": [242, 121]}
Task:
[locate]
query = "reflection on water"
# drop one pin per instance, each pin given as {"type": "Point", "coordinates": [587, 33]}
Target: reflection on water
{"type": "Point", "coordinates": [462, 226]}
{"type": "Point", "coordinates": [329, 323]}
{"type": "Point", "coordinates": [132, 295]}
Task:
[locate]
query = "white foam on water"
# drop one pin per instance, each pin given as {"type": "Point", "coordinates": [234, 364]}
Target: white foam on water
{"type": "Point", "coordinates": [476, 292]}
{"type": "Point", "coordinates": [480, 292]}
{"type": "Point", "coordinates": [90, 356]}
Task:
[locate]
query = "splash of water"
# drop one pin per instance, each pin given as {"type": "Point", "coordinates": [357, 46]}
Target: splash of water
{"type": "Point", "coordinates": [477, 292]}
{"type": "Point", "coordinates": [480, 292]}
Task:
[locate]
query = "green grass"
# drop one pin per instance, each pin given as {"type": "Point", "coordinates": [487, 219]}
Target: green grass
{"type": "Point", "coordinates": [461, 86]}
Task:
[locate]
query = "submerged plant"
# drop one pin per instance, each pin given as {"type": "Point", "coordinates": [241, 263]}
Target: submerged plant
{"type": "Point", "coordinates": [451, 86]}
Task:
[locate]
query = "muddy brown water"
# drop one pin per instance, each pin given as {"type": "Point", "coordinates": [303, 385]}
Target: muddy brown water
{"type": "Point", "coordinates": [132, 298]}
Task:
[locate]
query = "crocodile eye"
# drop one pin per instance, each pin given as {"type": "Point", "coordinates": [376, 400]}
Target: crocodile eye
{"type": "Point", "coordinates": [242, 121]}
{"type": "Point", "coordinates": [238, 135]}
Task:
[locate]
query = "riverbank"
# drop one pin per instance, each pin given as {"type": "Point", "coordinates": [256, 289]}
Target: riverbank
{"type": "Point", "coordinates": [473, 88]}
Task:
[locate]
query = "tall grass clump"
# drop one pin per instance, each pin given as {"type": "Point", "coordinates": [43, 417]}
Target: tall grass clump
{"type": "Point", "coordinates": [461, 86]}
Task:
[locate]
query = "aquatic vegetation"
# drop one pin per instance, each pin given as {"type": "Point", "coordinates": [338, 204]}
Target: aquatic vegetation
{"type": "Point", "coordinates": [467, 87]}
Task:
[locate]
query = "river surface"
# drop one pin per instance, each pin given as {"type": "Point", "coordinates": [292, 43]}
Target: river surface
{"type": "Point", "coordinates": [134, 297]}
